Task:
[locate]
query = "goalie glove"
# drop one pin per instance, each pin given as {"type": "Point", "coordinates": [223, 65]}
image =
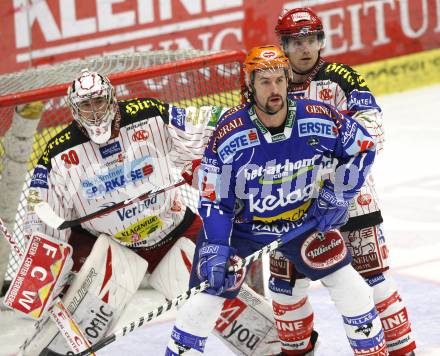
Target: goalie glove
{"type": "Point", "coordinates": [189, 172]}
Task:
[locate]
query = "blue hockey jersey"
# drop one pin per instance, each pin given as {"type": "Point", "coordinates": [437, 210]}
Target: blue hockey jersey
{"type": "Point", "coordinates": [257, 185]}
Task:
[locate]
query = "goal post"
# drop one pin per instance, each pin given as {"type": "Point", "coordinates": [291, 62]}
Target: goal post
{"type": "Point", "coordinates": [181, 77]}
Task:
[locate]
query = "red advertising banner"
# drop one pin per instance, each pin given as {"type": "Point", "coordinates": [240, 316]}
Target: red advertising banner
{"type": "Point", "coordinates": [43, 263]}
{"type": "Point", "coordinates": [357, 31]}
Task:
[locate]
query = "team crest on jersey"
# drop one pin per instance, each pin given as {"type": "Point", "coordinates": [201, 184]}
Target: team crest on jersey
{"type": "Point", "coordinates": [140, 135]}
{"type": "Point", "coordinates": [325, 94]}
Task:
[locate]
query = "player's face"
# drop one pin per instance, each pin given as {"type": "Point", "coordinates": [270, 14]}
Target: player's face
{"type": "Point", "coordinates": [93, 111]}
{"type": "Point", "coordinates": [270, 88]}
{"type": "Point", "coordinates": [303, 52]}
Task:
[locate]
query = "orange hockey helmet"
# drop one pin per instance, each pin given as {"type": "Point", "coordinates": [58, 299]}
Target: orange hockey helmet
{"type": "Point", "coordinates": [264, 58]}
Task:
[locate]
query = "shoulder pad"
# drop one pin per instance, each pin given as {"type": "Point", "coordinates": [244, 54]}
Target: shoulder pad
{"type": "Point", "coordinates": [344, 75]}
{"type": "Point", "coordinates": [232, 111]}
{"type": "Point", "coordinates": [65, 139]}
{"type": "Point", "coordinates": [135, 109]}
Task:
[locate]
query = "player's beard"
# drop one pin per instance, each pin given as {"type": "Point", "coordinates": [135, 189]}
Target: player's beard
{"type": "Point", "coordinates": [272, 109]}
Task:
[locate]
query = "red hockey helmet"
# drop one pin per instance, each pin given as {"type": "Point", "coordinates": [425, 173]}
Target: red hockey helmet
{"type": "Point", "coordinates": [298, 22]}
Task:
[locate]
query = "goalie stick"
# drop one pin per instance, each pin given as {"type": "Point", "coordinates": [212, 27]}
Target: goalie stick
{"type": "Point", "coordinates": [10, 239]}
{"type": "Point", "coordinates": [49, 217]}
{"type": "Point", "coordinates": [307, 226]}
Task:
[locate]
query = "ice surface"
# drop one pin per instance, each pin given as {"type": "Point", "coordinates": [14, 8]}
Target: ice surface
{"type": "Point", "coordinates": [407, 176]}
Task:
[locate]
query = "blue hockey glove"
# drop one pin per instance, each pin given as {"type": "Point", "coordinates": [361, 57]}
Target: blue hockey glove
{"type": "Point", "coordinates": [328, 210]}
{"type": "Point", "coordinates": [213, 266]}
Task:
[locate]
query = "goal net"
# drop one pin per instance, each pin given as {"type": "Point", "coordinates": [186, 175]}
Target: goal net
{"type": "Point", "coordinates": [182, 77]}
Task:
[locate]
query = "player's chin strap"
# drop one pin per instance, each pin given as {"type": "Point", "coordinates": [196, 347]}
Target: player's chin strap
{"type": "Point", "coordinates": [304, 228]}
{"type": "Point", "coordinates": [49, 217]}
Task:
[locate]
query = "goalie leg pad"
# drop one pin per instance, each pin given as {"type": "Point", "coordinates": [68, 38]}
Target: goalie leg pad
{"type": "Point", "coordinates": [293, 315]}
{"type": "Point", "coordinates": [171, 276]}
{"type": "Point", "coordinates": [353, 299]}
{"type": "Point", "coordinates": [393, 314]}
{"type": "Point", "coordinates": [97, 296]}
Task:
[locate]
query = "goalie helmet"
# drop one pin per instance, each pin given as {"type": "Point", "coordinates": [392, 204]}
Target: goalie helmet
{"type": "Point", "coordinates": [264, 58]}
{"type": "Point", "coordinates": [91, 99]}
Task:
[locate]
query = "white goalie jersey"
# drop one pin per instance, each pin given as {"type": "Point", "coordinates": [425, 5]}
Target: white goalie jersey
{"type": "Point", "coordinates": [150, 143]}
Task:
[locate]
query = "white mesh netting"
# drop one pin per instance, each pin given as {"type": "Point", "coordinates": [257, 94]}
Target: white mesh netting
{"type": "Point", "coordinates": [183, 77]}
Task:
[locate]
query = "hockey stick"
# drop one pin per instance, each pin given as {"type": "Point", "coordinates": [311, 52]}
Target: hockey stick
{"type": "Point", "coordinates": [307, 226]}
{"type": "Point", "coordinates": [10, 239]}
{"type": "Point", "coordinates": [50, 218]}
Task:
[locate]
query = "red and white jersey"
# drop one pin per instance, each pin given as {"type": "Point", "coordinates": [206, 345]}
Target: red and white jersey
{"type": "Point", "coordinates": [150, 143]}
{"type": "Point", "coordinates": [342, 87]}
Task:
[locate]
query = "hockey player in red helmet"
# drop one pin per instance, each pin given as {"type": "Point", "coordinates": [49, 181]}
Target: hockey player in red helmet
{"type": "Point", "coordinates": [302, 37]}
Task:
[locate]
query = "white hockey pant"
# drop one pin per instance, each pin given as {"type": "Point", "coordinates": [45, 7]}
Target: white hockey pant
{"type": "Point", "coordinates": [353, 299]}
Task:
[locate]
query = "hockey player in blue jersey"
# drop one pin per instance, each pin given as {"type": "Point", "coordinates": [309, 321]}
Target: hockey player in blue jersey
{"type": "Point", "coordinates": [262, 175]}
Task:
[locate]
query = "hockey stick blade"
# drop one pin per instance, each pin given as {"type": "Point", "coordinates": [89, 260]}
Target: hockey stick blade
{"type": "Point", "coordinates": [50, 218]}
{"type": "Point", "coordinates": [307, 226]}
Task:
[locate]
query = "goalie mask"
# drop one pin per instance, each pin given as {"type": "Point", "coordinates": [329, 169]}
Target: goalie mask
{"type": "Point", "coordinates": [91, 99]}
